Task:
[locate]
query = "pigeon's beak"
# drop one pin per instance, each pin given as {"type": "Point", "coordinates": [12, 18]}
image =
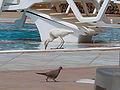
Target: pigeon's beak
{"type": "Point", "coordinates": [46, 44]}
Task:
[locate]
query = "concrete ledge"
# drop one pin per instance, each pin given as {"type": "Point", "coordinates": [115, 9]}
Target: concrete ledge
{"type": "Point", "coordinates": [61, 50]}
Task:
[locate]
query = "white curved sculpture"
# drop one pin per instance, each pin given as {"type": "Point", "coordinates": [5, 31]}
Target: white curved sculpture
{"type": "Point", "coordinates": [45, 23]}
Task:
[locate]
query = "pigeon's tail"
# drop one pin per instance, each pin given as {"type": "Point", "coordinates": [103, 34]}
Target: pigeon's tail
{"type": "Point", "coordinates": [41, 73]}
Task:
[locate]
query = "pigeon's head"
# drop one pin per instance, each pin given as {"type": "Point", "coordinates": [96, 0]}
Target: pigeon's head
{"type": "Point", "coordinates": [60, 67]}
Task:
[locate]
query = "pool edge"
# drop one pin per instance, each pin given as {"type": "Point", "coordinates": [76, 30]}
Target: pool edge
{"type": "Point", "coordinates": [61, 50]}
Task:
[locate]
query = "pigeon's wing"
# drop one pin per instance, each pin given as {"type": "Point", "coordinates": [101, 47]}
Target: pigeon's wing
{"type": "Point", "coordinates": [53, 73]}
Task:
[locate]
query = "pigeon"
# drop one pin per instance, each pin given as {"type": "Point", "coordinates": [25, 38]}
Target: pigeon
{"type": "Point", "coordinates": [53, 74]}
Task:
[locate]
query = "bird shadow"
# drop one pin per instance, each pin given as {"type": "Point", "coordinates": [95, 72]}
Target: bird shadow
{"type": "Point", "coordinates": [56, 48]}
{"type": "Point", "coordinates": [56, 81]}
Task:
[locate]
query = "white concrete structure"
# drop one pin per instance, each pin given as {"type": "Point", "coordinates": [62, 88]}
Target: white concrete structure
{"type": "Point", "coordinates": [107, 79]}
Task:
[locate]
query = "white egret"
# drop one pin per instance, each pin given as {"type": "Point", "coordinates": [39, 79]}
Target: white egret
{"type": "Point", "coordinates": [57, 33]}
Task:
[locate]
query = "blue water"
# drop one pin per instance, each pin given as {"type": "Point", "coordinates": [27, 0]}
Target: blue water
{"type": "Point", "coordinates": [112, 34]}
{"type": "Point", "coordinates": [8, 31]}
{"type": "Point", "coordinates": [13, 38]}
{"type": "Point", "coordinates": [28, 38]}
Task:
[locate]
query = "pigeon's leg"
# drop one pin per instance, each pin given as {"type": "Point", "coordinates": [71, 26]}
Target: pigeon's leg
{"type": "Point", "coordinates": [54, 80]}
{"type": "Point", "coordinates": [47, 79]}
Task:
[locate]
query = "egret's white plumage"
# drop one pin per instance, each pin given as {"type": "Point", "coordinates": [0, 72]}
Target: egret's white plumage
{"type": "Point", "coordinates": [57, 33]}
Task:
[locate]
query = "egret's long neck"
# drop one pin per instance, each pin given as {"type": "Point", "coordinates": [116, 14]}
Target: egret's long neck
{"type": "Point", "coordinates": [47, 42]}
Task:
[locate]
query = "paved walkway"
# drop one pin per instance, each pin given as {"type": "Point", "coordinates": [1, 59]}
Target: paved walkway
{"type": "Point", "coordinates": [29, 80]}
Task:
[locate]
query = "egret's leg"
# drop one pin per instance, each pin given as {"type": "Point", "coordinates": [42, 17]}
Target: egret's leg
{"type": "Point", "coordinates": [62, 42]}
{"type": "Point", "coordinates": [59, 46]}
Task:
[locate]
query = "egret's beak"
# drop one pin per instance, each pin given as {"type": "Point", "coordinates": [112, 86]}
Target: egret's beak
{"type": "Point", "coordinates": [46, 44]}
